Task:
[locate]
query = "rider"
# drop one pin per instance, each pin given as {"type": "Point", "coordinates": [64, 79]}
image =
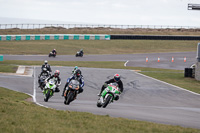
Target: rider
{"type": "Point", "coordinates": [48, 68]}
{"type": "Point", "coordinates": [54, 51]}
{"type": "Point", "coordinates": [74, 70]}
{"type": "Point", "coordinates": [81, 52]}
{"type": "Point", "coordinates": [56, 79]}
{"type": "Point", "coordinates": [117, 80]}
{"type": "Point", "coordinates": [78, 77]}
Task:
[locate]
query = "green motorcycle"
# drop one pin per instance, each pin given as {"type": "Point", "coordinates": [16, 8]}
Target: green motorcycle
{"type": "Point", "coordinates": [49, 90]}
{"type": "Point", "coordinates": [110, 93]}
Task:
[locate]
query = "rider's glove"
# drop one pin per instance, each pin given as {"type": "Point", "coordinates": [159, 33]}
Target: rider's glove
{"type": "Point", "coordinates": [105, 85]}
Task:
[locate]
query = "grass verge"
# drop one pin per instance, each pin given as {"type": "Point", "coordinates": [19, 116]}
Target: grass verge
{"type": "Point", "coordinates": [7, 68]}
{"type": "Point", "coordinates": [70, 47]}
{"type": "Point", "coordinates": [20, 116]}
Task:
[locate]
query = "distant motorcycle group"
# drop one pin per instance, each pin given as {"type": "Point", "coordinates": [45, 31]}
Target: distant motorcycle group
{"type": "Point", "coordinates": [53, 53]}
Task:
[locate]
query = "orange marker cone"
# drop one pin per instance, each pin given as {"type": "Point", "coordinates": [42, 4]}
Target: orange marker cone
{"type": "Point", "coordinates": [147, 59]}
{"type": "Point", "coordinates": [184, 59]}
{"type": "Point", "coordinates": [158, 59]}
{"type": "Point", "coordinates": [172, 59]}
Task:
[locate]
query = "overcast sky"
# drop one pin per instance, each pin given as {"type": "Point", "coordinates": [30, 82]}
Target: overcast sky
{"type": "Point", "coordinates": [125, 12]}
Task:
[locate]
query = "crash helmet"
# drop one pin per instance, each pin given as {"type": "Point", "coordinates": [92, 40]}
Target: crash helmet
{"type": "Point", "coordinates": [54, 49]}
{"type": "Point", "coordinates": [76, 67]}
{"type": "Point", "coordinates": [116, 77]}
{"type": "Point", "coordinates": [78, 73]}
{"type": "Point", "coordinates": [81, 49]}
{"type": "Point", "coordinates": [45, 62]}
{"type": "Point", "coordinates": [56, 73]}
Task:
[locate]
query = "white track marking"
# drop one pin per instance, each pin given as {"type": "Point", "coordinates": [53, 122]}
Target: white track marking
{"type": "Point", "coordinates": [168, 84]}
{"type": "Point", "coordinates": [34, 91]}
{"type": "Point", "coordinates": [20, 70]}
{"type": "Point", "coordinates": [126, 63]}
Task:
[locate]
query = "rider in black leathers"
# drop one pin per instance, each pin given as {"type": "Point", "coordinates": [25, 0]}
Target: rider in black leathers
{"type": "Point", "coordinates": [54, 51]}
{"type": "Point", "coordinates": [48, 68]}
{"type": "Point", "coordinates": [117, 80]}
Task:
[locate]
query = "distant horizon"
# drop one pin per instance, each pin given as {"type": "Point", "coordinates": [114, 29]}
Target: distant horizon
{"type": "Point", "coordinates": [7, 20]}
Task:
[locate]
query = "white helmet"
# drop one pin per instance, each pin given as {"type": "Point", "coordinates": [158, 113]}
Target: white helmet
{"type": "Point", "coordinates": [45, 61]}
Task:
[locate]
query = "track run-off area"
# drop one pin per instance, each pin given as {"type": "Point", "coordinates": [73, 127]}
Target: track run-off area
{"type": "Point", "coordinates": [144, 98]}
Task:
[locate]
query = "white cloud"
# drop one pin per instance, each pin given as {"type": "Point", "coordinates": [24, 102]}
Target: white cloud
{"type": "Point", "coordinates": [154, 12]}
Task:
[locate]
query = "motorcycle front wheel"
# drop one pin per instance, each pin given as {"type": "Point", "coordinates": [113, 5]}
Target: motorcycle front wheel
{"type": "Point", "coordinates": [107, 101]}
{"type": "Point", "coordinates": [70, 97]}
{"type": "Point", "coordinates": [47, 95]}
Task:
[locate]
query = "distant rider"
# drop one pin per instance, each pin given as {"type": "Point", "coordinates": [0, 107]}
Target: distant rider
{"type": "Point", "coordinates": [115, 79]}
{"type": "Point", "coordinates": [76, 76]}
{"type": "Point", "coordinates": [47, 70]}
{"type": "Point", "coordinates": [56, 79]}
{"type": "Point", "coordinates": [54, 51]}
{"type": "Point", "coordinates": [81, 52]}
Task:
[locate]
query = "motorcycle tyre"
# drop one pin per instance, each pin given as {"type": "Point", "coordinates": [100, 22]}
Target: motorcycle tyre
{"type": "Point", "coordinates": [47, 96]}
{"type": "Point", "coordinates": [108, 99]}
{"type": "Point", "coordinates": [99, 104]}
{"type": "Point", "coordinates": [70, 98]}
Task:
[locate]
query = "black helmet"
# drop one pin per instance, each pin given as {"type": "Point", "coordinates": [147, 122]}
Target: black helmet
{"type": "Point", "coordinates": [78, 73]}
{"type": "Point", "coordinates": [116, 77]}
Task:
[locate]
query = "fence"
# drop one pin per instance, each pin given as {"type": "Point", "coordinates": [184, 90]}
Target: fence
{"type": "Point", "coordinates": [69, 26]}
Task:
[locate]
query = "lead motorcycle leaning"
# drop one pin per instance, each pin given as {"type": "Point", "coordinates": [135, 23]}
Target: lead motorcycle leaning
{"type": "Point", "coordinates": [110, 93]}
{"type": "Point", "coordinates": [71, 91]}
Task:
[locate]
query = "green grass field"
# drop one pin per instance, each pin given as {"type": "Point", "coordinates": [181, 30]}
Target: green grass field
{"type": "Point", "coordinates": [20, 116]}
{"type": "Point", "coordinates": [70, 47]}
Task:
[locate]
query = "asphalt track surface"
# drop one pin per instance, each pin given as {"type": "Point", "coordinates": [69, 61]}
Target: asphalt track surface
{"type": "Point", "coordinates": [144, 98]}
{"type": "Point", "coordinates": [135, 60]}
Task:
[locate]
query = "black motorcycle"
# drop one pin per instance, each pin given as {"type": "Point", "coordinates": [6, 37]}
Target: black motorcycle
{"type": "Point", "coordinates": [52, 54]}
{"type": "Point", "coordinates": [41, 79]}
{"type": "Point", "coordinates": [71, 93]}
{"type": "Point", "coordinates": [79, 53]}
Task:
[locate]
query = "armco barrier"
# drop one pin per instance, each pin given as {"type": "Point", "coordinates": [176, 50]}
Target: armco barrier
{"type": "Point", "coordinates": [153, 37]}
{"type": "Point", "coordinates": [54, 37]}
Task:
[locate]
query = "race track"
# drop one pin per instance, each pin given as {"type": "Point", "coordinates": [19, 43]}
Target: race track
{"type": "Point", "coordinates": [144, 98]}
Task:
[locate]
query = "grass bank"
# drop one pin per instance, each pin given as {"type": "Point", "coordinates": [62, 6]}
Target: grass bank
{"type": "Point", "coordinates": [101, 30]}
{"type": "Point", "coordinates": [70, 47]}
{"type": "Point", "coordinates": [20, 116]}
{"type": "Point", "coordinates": [175, 77]}
{"type": "Point", "coordinates": [7, 68]}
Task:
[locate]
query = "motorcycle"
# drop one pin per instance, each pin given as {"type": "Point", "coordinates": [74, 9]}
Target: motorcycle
{"type": "Point", "coordinates": [110, 93]}
{"type": "Point", "coordinates": [49, 90]}
{"type": "Point", "coordinates": [79, 53]}
{"type": "Point", "coordinates": [52, 54]}
{"type": "Point", "coordinates": [41, 79]}
{"type": "Point", "coordinates": [71, 93]}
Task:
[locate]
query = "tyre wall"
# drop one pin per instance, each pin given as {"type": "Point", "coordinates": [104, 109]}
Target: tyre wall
{"type": "Point", "coordinates": [54, 37]}
{"type": "Point", "coordinates": [153, 37]}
